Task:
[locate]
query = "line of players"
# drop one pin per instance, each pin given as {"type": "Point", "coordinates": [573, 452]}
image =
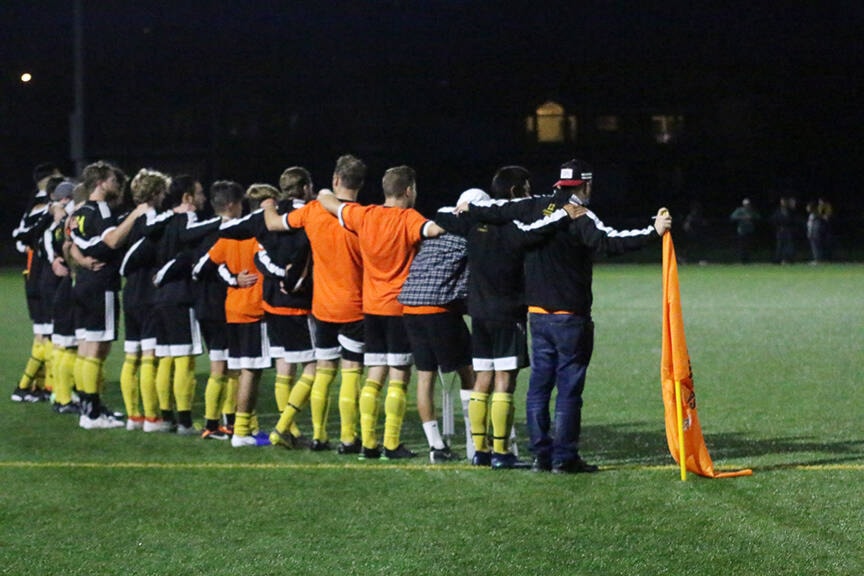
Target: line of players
{"type": "Point", "coordinates": [391, 289]}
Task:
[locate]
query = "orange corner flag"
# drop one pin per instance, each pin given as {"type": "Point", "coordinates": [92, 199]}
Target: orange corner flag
{"type": "Point", "coordinates": [675, 368]}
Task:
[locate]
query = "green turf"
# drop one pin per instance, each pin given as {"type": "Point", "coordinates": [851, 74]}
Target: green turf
{"type": "Point", "coordinates": [776, 355]}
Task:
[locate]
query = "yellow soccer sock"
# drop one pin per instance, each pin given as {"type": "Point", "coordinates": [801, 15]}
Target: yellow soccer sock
{"type": "Point", "coordinates": [63, 379]}
{"type": "Point", "coordinates": [129, 385]}
{"type": "Point", "coordinates": [478, 410]}
{"type": "Point", "coordinates": [229, 404]}
{"type": "Point", "coordinates": [254, 425]}
{"type": "Point", "coordinates": [184, 382]}
{"type": "Point", "coordinates": [394, 414]}
{"type": "Point", "coordinates": [282, 390]}
{"type": "Point", "coordinates": [319, 400]}
{"type": "Point", "coordinates": [48, 355]}
{"type": "Point", "coordinates": [213, 392]}
{"type": "Point", "coordinates": [90, 370]}
{"type": "Point", "coordinates": [163, 382]}
{"type": "Point", "coordinates": [502, 421]}
{"type": "Point", "coordinates": [242, 425]}
{"type": "Point", "coordinates": [348, 398]}
{"type": "Point", "coordinates": [31, 369]}
{"type": "Point", "coordinates": [296, 401]}
{"type": "Point", "coordinates": [369, 413]}
{"type": "Point", "coordinates": [149, 396]}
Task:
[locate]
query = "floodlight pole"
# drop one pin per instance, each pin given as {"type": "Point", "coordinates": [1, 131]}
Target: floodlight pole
{"type": "Point", "coordinates": [76, 119]}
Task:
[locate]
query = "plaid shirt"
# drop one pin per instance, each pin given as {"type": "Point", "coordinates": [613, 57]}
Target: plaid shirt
{"type": "Point", "coordinates": [438, 274]}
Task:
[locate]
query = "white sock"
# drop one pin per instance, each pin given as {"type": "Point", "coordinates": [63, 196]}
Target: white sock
{"type": "Point", "coordinates": [465, 397]}
{"type": "Point", "coordinates": [433, 435]}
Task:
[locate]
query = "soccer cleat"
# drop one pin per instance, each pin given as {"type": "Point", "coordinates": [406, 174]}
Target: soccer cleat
{"type": "Point", "coordinates": [68, 408]}
{"type": "Point", "coordinates": [438, 455]}
{"type": "Point", "coordinates": [350, 448]}
{"type": "Point", "coordinates": [37, 395]}
{"type": "Point", "coordinates": [101, 422]}
{"type": "Point", "coordinates": [135, 423]}
{"type": "Point", "coordinates": [186, 430]}
{"type": "Point", "coordinates": [507, 461]}
{"type": "Point", "coordinates": [575, 466]}
{"type": "Point", "coordinates": [370, 453]}
{"type": "Point", "coordinates": [105, 411]}
{"type": "Point", "coordinates": [157, 425]}
{"type": "Point", "coordinates": [243, 441]}
{"type": "Point", "coordinates": [24, 395]}
{"type": "Point", "coordinates": [401, 452]}
{"type": "Point", "coordinates": [282, 440]}
{"type": "Point", "coordinates": [482, 459]}
{"type": "Point", "coordinates": [214, 435]}
{"type": "Point", "coordinates": [319, 446]}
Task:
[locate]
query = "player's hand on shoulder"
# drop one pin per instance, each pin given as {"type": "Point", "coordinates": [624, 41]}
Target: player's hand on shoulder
{"type": "Point", "coordinates": [574, 211]}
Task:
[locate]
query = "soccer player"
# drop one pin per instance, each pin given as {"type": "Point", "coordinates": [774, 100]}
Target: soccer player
{"type": "Point", "coordinates": [248, 344]}
{"type": "Point", "coordinates": [178, 335]}
{"type": "Point", "coordinates": [286, 263]}
{"type": "Point", "coordinates": [220, 394]}
{"type": "Point", "coordinates": [389, 235]}
{"type": "Point", "coordinates": [96, 232]}
{"type": "Point", "coordinates": [337, 303]}
{"type": "Point", "coordinates": [28, 237]}
{"type": "Point", "coordinates": [138, 267]}
{"type": "Point", "coordinates": [62, 316]}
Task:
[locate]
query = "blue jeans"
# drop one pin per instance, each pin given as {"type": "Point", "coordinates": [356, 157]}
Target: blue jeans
{"type": "Point", "coordinates": [561, 348]}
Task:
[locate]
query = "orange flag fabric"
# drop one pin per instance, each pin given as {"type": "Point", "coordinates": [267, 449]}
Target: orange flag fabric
{"type": "Point", "coordinates": [675, 366]}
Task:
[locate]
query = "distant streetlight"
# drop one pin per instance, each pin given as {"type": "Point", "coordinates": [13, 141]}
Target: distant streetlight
{"type": "Point", "coordinates": [26, 77]}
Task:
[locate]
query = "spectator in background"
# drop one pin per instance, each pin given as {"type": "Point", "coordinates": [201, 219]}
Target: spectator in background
{"type": "Point", "coordinates": [826, 213]}
{"type": "Point", "coordinates": [745, 217]}
{"type": "Point", "coordinates": [784, 221]}
{"type": "Point", "coordinates": [815, 232]}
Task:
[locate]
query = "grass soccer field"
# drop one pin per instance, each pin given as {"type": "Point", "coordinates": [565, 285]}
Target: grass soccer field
{"type": "Point", "coordinates": [777, 360]}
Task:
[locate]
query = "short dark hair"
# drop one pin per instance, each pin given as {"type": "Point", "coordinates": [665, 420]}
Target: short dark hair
{"type": "Point", "coordinates": [508, 177]}
{"type": "Point", "coordinates": [180, 185]}
{"type": "Point", "coordinates": [224, 192]}
{"type": "Point", "coordinates": [351, 171]}
{"type": "Point", "coordinates": [52, 184]}
{"type": "Point", "coordinates": [397, 180]}
{"type": "Point", "coordinates": [43, 170]}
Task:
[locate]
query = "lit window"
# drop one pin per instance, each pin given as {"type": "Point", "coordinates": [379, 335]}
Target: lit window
{"type": "Point", "coordinates": [550, 124]}
{"type": "Point", "coordinates": [666, 128]}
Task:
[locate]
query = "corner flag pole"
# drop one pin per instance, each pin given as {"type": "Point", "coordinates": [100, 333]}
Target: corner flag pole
{"type": "Point", "coordinates": [682, 456]}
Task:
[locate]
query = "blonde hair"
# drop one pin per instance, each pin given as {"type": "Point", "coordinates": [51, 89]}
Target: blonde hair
{"type": "Point", "coordinates": [257, 193]}
{"type": "Point", "coordinates": [148, 184]}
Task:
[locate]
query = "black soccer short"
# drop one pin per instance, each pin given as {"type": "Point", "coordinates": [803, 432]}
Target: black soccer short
{"type": "Point", "coordinates": [440, 340]}
{"type": "Point", "coordinates": [290, 337]}
{"type": "Point", "coordinates": [215, 336]}
{"type": "Point", "coordinates": [63, 333]}
{"type": "Point", "coordinates": [140, 324]}
{"type": "Point", "coordinates": [497, 345]}
{"type": "Point", "coordinates": [248, 346]}
{"type": "Point", "coordinates": [97, 316]}
{"type": "Point", "coordinates": [386, 341]}
{"type": "Point", "coordinates": [338, 339]}
{"type": "Point", "coordinates": [177, 332]}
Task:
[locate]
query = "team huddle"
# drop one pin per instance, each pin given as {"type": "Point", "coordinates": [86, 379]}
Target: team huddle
{"type": "Point", "coordinates": [315, 286]}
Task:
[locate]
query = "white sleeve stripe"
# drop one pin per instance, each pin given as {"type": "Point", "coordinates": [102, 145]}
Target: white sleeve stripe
{"type": "Point", "coordinates": [555, 216]}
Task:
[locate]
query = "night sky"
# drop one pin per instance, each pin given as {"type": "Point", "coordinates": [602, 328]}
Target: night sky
{"type": "Point", "coordinates": [242, 88]}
